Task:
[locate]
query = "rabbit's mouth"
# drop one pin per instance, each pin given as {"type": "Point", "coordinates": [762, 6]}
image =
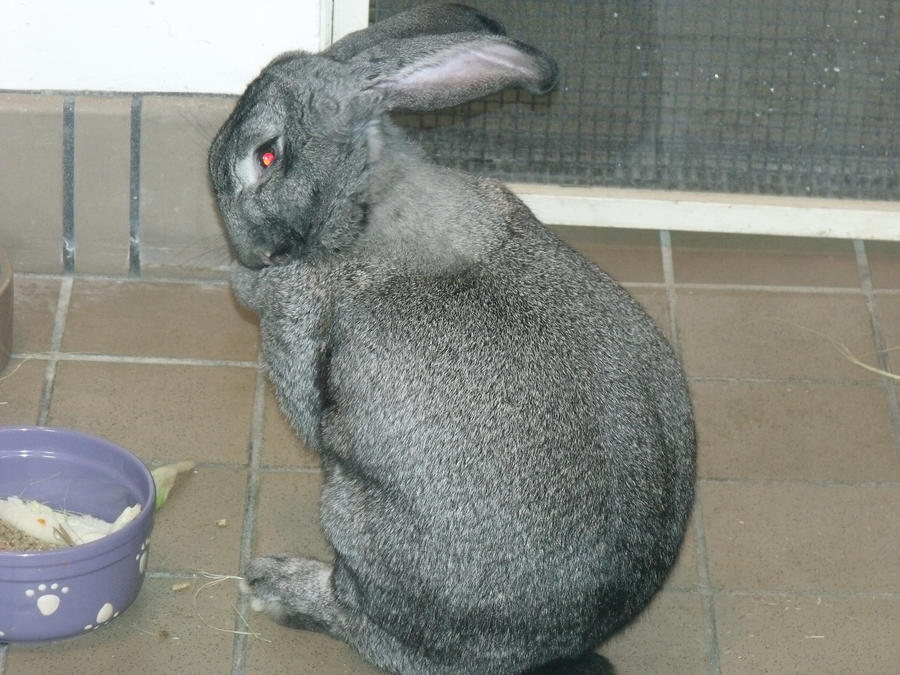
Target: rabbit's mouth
{"type": "Point", "coordinates": [274, 258]}
{"type": "Point", "coordinates": [259, 254]}
{"type": "Point", "coordinates": [271, 245]}
{"type": "Point", "coordinates": [280, 252]}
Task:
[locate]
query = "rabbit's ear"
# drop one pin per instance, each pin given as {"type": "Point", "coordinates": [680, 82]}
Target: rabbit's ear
{"type": "Point", "coordinates": [427, 20]}
{"type": "Point", "coordinates": [427, 73]}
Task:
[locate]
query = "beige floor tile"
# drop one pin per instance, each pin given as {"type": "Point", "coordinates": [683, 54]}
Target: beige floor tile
{"type": "Point", "coordinates": [772, 334]}
{"type": "Point", "coordinates": [186, 534]}
{"type": "Point", "coordinates": [627, 255]}
{"type": "Point", "coordinates": [656, 303]}
{"type": "Point", "coordinates": [751, 260]}
{"type": "Point", "coordinates": [669, 637]}
{"type": "Point", "coordinates": [795, 536]}
{"type": "Point", "coordinates": [280, 445]}
{"type": "Point", "coordinates": [21, 383]}
{"type": "Point", "coordinates": [685, 574]}
{"type": "Point", "coordinates": [888, 307]}
{"type": "Point", "coordinates": [294, 651]}
{"type": "Point", "coordinates": [34, 311]}
{"type": "Point", "coordinates": [288, 515]}
{"type": "Point", "coordinates": [188, 320]}
{"type": "Point", "coordinates": [884, 263]}
{"type": "Point", "coordinates": [160, 633]}
{"type": "Point", "coordinates": [808, 634]}
{"type": "Point", "coordinates": [794, 431]}
{"type": "Point", "coordinates": [159, 412]}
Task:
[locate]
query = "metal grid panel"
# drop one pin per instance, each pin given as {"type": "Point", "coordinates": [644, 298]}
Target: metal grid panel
{"type": "Point", "coordinates": [752, 96]}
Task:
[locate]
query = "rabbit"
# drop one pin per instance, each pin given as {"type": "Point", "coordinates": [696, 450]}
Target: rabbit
{"type": "Point", "coordinates": [506, 438]}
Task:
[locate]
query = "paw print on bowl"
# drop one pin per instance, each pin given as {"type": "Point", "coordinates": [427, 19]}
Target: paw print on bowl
{"type": "Point", "coordinates": [141, 556]}
{"type": "Point", "coordinates": [47, 603]}
{"type": "Point", "coordinates": [106, 612]}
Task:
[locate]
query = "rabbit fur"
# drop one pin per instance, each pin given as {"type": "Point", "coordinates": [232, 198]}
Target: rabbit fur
{"type": "Point", "coordinates": [506, 438]}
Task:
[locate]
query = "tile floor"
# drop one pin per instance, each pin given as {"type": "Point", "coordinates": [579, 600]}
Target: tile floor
{"type": "Point", "coordinates": [791, 563]}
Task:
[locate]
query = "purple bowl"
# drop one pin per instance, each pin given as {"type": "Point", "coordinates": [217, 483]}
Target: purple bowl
{"type": "Point", "coordinates": [50, 595]}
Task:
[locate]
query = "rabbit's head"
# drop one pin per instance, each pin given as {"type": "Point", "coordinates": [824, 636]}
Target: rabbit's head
{"type": "Point", "coordinates": [290, 165]}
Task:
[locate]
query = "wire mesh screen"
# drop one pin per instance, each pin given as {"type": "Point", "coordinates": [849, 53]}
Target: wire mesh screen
{"type": "Point", "coordinates": [753, 96]}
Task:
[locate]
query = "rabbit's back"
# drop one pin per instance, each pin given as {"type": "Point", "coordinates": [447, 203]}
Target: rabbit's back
{"type": "Point", "coordinates": [510, 438]}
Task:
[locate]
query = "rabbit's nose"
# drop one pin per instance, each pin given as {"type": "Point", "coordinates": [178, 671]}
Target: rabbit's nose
{"type": "Point", "coordinates": [278, 256]}
{"type": "Point", "coordinates": [265, 258]}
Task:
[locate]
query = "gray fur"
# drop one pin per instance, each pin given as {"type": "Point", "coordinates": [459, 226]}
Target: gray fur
{"type": "Point", "coordinates": [507, 439]}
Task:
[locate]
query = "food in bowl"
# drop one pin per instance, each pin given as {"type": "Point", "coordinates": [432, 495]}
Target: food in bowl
{"type": "Point", "coordinates": [58, 527]}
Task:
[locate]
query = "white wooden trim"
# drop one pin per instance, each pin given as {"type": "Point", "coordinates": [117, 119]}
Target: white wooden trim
{"type": "Point", "coordinates": [349, 15]}
{"type": "Point", "coordinates": [712, 212]}
{"type": "Point", "coordinates": [326, 23]}
{"type": "Point", "coordinates": [339, 17]}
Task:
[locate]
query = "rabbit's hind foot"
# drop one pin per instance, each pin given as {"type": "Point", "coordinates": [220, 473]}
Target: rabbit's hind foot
{"type": "Point", "coordinates": [295, 592]}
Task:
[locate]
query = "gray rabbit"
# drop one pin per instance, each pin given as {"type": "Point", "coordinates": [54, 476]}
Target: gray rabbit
{"type": "Point", "coordinates": [506, 438]}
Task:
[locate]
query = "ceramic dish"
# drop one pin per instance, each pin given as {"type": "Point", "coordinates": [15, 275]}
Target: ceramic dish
{"type": "Point", "coordinates": [49, 595]}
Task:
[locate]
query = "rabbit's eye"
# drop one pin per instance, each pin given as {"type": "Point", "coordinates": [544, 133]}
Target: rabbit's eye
{"type": "Point", "coordinates": [268, 152]}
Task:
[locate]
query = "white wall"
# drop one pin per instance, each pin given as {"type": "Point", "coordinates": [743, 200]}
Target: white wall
{"type": "Point", "coordinates": [208, 46]}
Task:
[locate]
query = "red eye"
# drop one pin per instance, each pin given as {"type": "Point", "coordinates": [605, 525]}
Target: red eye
{"type": "Point", "coordinates": [267, 158]}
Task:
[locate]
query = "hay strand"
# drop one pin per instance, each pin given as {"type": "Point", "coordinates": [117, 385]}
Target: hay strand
{"type": "Point", "coordinates": [215, 579]}
{"type": "Point", "coordinates": [843, 349]}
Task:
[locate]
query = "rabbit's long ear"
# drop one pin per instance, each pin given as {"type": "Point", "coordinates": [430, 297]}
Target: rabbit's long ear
{"type": "Point", "coordinates": [427, 73]}
{"type": "Point", "coordinates": [427, 20]}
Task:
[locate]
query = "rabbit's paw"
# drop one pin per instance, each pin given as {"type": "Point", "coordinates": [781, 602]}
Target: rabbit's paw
{"type": "Point", "coordinates": [245, 283]}
{"type": "Point", "coordinates": [292, 591]}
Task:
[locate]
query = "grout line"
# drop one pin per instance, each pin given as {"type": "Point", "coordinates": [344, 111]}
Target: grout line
{"type": "Point", "coordinates": [118, 93]}
{"type": "Point", "coordinates": [745, 481]}
{"type": "Point", "coordinates": [248, 533]}
{"type": "Point", "coordinates": [274, 468]}
{"type": "Point", "coordinates": [735, 379]}
{"type": "Point", "coordinates": [59, 323]}
{"type": "Point", "coordinates": [724, 591]}
{"type": "Point", "coordinates": [236, 363]}
{"type": "Point", "coordinates": [193, 574]}
{"type": "Point", "coordinates": [687, 286]}
{"type": "Point", "coordinates": [642, 285]}
{"type": "Point", "coordinates": [668, 265]}
{"type": "Point", "coordinates": [803, 593]}
{"type": "Point", "coordinates": [765, 288]}
{"type": "Point", "coordinates": [144, 360]}
{"type": "Point", "coordinates": [884, 363]}
{"type": "Point", "coordinates": [706, 590]}
{"type": "Point", "coordinates": [709, 610]}
{"type": "Point", "coordinates": [68, 184]}
{"type": "Point", "coordinates": [134, 189]}
{"type": "Point", "coordinates": [119, 279]}
{"type": "Point", "coordinates": [818, 482]}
